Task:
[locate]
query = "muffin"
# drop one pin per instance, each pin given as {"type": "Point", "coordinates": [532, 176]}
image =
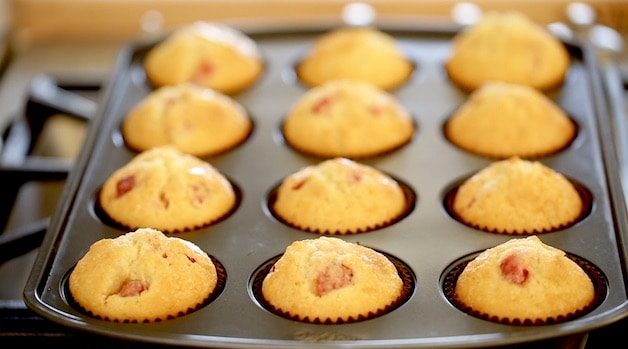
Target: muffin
{"type": "Point", "coordinates": [328, 280]}
{"type": "Point", "coordinates": [165, 189]}
{"type": "Point", "coordinates": [524, 281]}
{"type": "Point", "coordinates": [363, 53]}
{"type": "Point", "coordinates": [339, 196]}
{"type": "Point", "coordinates": [501, 120]}
{"type": "Point", "coordinates": [196, 120]}
{"type": "Point", "coordinates": [143, 276]}
{"type": "Point", "coordinates": [207, 54]}
{"type": "Point", "coordinates": [517, 196]}
{"type": "Point", "coordinates": [347, 118]}
{"type": "Point", "coordinates": [507, 47]}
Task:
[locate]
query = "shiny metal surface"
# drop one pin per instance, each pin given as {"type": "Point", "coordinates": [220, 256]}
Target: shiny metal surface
{"type": "Point", "coordinates": [428, 240]}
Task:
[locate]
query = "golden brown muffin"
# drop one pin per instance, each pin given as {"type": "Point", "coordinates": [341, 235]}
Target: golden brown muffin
{"type": "Point", "coordinates": [165, 189]}
{"type": "Point", "coordinates": [516, 196]}
{"type": "Point", "coordinates": [501, 120]}
{"type": "Point", "coordinates": [207, 54]}
{"type": "Point", "coordinates": [524, 280]}
{"type": "Point", "coordinates": [142, 276]}
{"type": "Point", "coordinates": [195, 120]}
{"type": "Point", "coordinates": [507, 47]}
{"type": "Point", "coordinates": [339, 196]}
{"type": "Point", "coordinates": [328, 280]}
{"type": "Point", "coordinates": [347, 118]}
{"type": "Point", "coordinates": [362, 53]}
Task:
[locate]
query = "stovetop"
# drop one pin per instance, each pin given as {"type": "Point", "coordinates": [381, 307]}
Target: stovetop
{"type": "Point", "coordinates": [38, 142]}
{"type": "Point", "coordinates": [46, 97]}
{"type": "Point", "coordinates": [38, 145]}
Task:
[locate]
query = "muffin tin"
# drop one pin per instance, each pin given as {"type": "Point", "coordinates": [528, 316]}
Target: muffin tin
{"type": "Point", "coordinates": [428, 240]}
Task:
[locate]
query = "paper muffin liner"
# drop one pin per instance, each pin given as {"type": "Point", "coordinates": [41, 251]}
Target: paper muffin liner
{"type": "Point", "coordinates": [410, 203]}
{"type": "Point", "coordinates": [106, 219]}
{"type": "Point", "coordinates": [220, 285]}
{"type": "Point", "coordinates": [600, 286]}
{"type": "Point", "coordinates": [583, 192]}
{"type": "Point", "coordinates": [404, 271]}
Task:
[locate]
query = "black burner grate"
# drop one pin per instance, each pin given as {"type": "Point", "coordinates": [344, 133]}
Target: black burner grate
{"type": "Point", "coordinates": [20, 164]}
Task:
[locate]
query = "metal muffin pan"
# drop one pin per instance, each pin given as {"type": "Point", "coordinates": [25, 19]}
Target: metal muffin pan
{"type": "Point", "coordinates": [428, 240]}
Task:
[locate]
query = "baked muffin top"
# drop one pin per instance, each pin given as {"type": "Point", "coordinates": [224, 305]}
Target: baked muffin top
{"type": "Point", "coordinates": [517, 196]}
{"type": "Point", "coordinates": [347, 118]}
{"type": "Point", "coordinates": [339, 196]}
{"type": "Point", "coordinates": [165, 189]}
{"type": "Point", "coordinates": [207, 54]}
{"type": "Point", "coordinates": [328, 280]}
{"type": "Point", "coordinates": [524, 279]}
{"type": "Point", "coordinates": [507, 47]}
{"type": "Point", "coordinates": [196, 120]}
{"type": "Point", "coordinates": [142, 276]}
{"type": "Point", "coordinates": [363, 53]}
{"type": "Point", "coordinates": [501, 120]}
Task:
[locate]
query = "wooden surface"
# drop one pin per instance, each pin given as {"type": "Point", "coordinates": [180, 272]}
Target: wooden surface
{"type": "Point", "coordinates": [36, 21]}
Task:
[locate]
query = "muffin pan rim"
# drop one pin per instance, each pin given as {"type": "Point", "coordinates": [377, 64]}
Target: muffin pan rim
{"type": "Point", "coordinates": [37, 295]}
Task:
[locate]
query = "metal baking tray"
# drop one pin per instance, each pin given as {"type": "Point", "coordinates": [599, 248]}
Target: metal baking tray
{"type": "Point", "coordinates": [428, 240]}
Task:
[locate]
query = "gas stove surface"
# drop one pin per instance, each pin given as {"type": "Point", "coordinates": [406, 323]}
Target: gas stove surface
{"type": "Point", "coordinates": [39, 144]}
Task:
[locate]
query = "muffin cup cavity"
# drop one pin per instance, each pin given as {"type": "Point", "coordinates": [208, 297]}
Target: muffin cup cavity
{"type": "Point", "coordinates": [106, 219]}
{"type": "Point", "coordinates": [410, 203]}
{"type": "Point", "coordinates": [324, 155]}
{"type": "Point", "coordinates": [536, 155]}
{"type": "Point", "coordinates": [295, 77]}
{"type": "Point", "coordinates": [406, 274]}
{"type": "Point", "coordinates": [209, 154]}
{"type": "Point", "coordinates": [585, 195]}
{"type": "Point", "coordinates": [365, 53]}
{"type": "Point", "coordinates": [600, 285]}
{"type": "Point", "coordinates": [213, 295]}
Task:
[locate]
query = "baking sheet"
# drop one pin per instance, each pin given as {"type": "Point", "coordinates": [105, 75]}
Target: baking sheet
{"type": "Point", "coordinates": [428, 240]}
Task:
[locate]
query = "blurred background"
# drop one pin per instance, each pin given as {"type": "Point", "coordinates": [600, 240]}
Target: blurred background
{"type": "Point", "coordinates": [35, 21]}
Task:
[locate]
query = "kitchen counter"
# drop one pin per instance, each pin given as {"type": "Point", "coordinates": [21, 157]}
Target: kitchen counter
{"type": "Point", "coordinates": [37, 21]}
